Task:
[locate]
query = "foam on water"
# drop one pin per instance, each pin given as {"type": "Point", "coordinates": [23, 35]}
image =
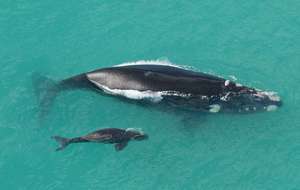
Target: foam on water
{"type": "Point", "coordinates": [164, 62]}
{"type": "Point", "coordinates": [270, 94]}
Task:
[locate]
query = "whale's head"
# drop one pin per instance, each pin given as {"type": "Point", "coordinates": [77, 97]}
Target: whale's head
{"type": "Point", "coordinates": [136, 134]}
{"type": "Point", "coordinates": [238, 98]}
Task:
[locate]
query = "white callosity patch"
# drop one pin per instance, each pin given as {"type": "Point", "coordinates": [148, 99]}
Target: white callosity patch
{"type": "Point", "coordinates": [226, 97]}
{"type": "Point", "coordinates": [272, 108]}
{"type": "Point", "coordinates": [215, 108]}
{"type": "Point", "coordinates": [227, 82]}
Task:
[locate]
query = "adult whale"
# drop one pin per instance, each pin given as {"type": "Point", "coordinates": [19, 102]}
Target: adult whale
{"type": "Point", "coordinates": [167, 83]}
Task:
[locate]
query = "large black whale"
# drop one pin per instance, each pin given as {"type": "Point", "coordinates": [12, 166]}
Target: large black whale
{"type": "Point", "coordinates": [165, 83]}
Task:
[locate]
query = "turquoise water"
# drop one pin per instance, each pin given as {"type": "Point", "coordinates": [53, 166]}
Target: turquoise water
{"type": "Point", "coordinates": [255, 41]}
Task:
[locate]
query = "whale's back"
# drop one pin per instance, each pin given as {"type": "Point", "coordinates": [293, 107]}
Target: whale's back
{"type": "Point", "coordinates": [157, 78]}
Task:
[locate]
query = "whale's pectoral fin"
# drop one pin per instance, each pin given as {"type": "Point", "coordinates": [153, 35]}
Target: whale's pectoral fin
{"type": "Point", "coordinates": [120, 146]}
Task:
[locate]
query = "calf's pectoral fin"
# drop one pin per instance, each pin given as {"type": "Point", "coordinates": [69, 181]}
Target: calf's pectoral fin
{"type": "Point", "coordinates": [120, 146]}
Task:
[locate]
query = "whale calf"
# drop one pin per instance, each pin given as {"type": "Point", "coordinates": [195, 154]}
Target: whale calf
{"type": "Point", "coordinates": [116, 136]}
{"type": "Point", "coordinates": [171, 84]}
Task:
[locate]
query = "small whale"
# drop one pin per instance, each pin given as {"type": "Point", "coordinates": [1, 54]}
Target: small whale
{"type": "Point", "coordinates": [116, 136]}
{"type": "Point", "coordinates": [174, 85]}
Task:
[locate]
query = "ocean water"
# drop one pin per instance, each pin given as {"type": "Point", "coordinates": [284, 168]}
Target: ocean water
{"type": "Point", "coordinates": [256, 42]}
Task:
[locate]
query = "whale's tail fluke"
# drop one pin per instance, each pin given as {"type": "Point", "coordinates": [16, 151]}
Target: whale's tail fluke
{"type": "Point", "coordinates": [62, 141]}
{"type": "Point", "coordinates": [46, 91]}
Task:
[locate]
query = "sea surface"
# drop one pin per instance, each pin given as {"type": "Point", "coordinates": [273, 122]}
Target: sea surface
{"type": "Point", "coordinates": [254, 42]}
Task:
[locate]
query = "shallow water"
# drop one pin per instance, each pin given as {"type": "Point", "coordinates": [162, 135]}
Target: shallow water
{"type": "Point", "coordinates": [257, 42]}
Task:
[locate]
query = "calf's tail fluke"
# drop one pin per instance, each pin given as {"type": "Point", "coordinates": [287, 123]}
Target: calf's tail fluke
{"type": "Point", "coordinates": [46, 91]}
{"type": "Point", "coordinates": [62, 141]}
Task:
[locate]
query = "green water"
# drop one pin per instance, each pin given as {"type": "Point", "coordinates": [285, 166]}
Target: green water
{"type": "Point", "coordinates": [256, 41]}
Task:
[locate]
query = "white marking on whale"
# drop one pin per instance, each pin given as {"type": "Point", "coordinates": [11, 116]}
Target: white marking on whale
{"type": "Point", "coordinates": [135, 130]}
{"type": "Point", "coordinates": [215, 108]}
{"type": "Point", "coordinates": [227, 82]}
{"type": "Point", "coordinates": [272, 108]}
{"type": "Point", "coordinates": [153, 96]}
{"type": "Point", "coordinates": [226, 97]}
